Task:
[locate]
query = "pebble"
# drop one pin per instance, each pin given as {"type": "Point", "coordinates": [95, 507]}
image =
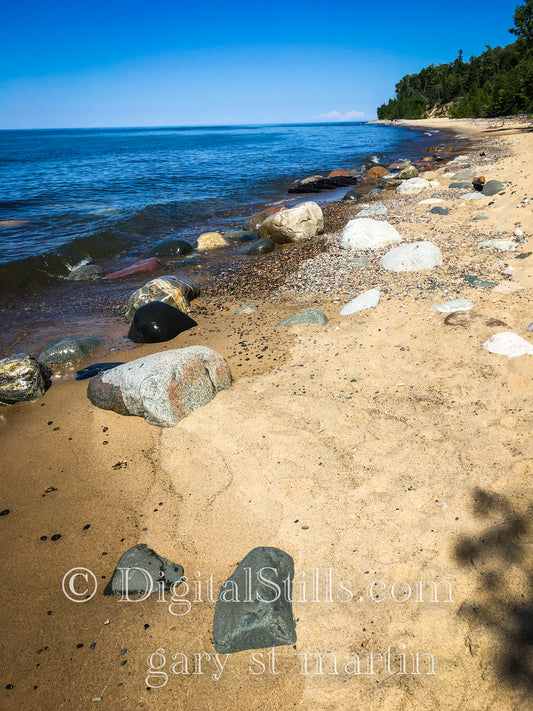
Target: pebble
{"type": "Point", "coordinates": [4, 512]}
{"type": "Point", "coordinates": [97, 698]}
{"type": "Point", "coordinates": [55, 537]}
{"type": "Point", "coordinates": [455, 305]}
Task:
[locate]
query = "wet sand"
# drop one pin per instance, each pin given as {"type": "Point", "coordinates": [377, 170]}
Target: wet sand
{"type": "Point", "coordinates": [386, 449]}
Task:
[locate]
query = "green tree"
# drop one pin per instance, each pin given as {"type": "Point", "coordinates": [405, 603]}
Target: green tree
{"type": "Point", "coordinates": [523, 20]}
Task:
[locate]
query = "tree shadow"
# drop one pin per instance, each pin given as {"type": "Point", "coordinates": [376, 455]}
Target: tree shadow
{"type": "Point", "coordinates": [502, 561]}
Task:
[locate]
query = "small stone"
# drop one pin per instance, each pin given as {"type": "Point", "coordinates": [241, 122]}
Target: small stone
{"type": "Point", "coordinates": [365, 233]}
{"type": "Point", "coordinates": [472, 196]}
{"type": "Point", "coordinates": [509, 344]}
{"type": "Point", "coordinates": [97, 698]}
{"type": "Point", "coordinates": [477, 218]}
{"type": "Point", "coordinates": [464, 175]}
{"type": "Point", "coordinates": [367, 300]}
{"type": "Point", "coordinates": [439, 211]}
{"type": "Point", "coordinates": [171, 248]}
{"type": "Point", "coordinates": [210, 240]}
{"type": "Point", "coordinates": [413, 186]}
{"type": "Point", "coordinates": [461, 186]}
{"type": "Point", "coordinates": [262, 246]}
{"type": "Point", "coordinates": [139, 571]}
{"type": "Point", "coordinates": [493, 187]}
{"type": "Point", "coordinates": [246, 310]}
{"type": "Point", "coordinates": [309, 316]}
{"type": "Point", "coordinates": [353, 196]}
{"type": "Point", "coordinates": [518, 233]}
{"type": "Point", "coordinates": [507, 287]}
{"type": "Point", "coordinates": [474, 280]}
{"type": "Point", "coordinates": [455, 305]}
{"type": "Point", "coordinates": [4, 512]}
{"type": "Point", "coordinates": [373, 210]}
{"type": "Point", "coordinates": [500, 245]}
{"type": "Point", "coordinates": [55, 537]}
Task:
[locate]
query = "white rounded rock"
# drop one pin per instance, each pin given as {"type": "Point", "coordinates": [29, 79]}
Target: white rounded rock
{"type": "Point", "coordinates": [364, 233]}
{"type": "Point", "coordinates": [413, 186]}
{"type": "Point", "coordinates": [412, 257]}
{"type": "Point", "coordinates": [299, 223]}
{"type": "Point", "coordinates": [501, 245]}
{"type": "Point", "coordinates": [509, 344]}
{"type": "Point", "coordinates": [367, 300]}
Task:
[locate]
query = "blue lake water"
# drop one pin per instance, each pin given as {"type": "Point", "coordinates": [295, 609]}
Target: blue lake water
{"type": "Point", "coordinates": [92, 194]}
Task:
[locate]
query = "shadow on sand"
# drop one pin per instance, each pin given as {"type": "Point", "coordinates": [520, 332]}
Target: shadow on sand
{"type": "Point", "coordinates": [501, 557]}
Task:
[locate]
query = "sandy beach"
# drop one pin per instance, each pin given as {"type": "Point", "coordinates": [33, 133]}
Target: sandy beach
{"type": "Point", "coordinates": [387, 452]}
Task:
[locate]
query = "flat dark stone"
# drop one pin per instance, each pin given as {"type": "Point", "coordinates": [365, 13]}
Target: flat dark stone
{"type": "Point", "coordinates": [262, 246]}
{"type": "Point", "coordinates": [125, 580]}
{"type": "Point", "coordinates": [171, 248]}
{"type": "Point", "coordinates": [439, 210]}
{"type": "Point", "coordinates": [317, 186]}
{"type": "Point", "coordinates": [476, 281]}
{"type": "Point", "coordinates": [252, 614]}
{"type": "Point", "coordinates": [157, 322]}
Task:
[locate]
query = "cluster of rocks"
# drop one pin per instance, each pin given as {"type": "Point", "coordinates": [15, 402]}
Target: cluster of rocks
{"type": "Point", "coordinates": [249, 612]}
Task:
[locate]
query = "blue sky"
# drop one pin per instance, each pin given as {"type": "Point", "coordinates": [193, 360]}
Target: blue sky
{"type": "Point", "coordinates": [140, 63]}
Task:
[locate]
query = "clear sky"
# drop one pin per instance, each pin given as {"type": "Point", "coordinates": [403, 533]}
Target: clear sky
{"type": "Point", "coordinates": [169, 63]}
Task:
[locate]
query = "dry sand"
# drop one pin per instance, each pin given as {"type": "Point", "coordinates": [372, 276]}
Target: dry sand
{"type": "Point", "coordinates": [385, 446]}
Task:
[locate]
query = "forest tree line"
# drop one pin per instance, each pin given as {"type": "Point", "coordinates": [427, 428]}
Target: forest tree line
{"type": "Point", "coordinates": [497, 83]}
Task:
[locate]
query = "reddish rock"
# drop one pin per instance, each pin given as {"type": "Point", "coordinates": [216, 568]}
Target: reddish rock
{"type": "Point", "coordinates": [146, 265]}
{"type": "Point", "coordinates": [339, 174]}
{"type": "Point", "coordinates": [377, 171]}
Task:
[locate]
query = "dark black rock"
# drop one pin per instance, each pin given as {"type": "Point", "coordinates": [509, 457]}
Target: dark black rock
{"type": "Point", "coordinates": [262, 246]}
{"type": "Point", "coordinates": [171, 248]}
{"type": "Point", "coordinates": [248, 238]}
{"type": "Point", "coordinates": [129, 580]}
{"type": "Point", "coordinates": [353, 195]}
{"type": "Point", "coordinates": [439, 210]}
{"type": "Point", "coordinates": [94, 369]}
{"type": "Point", "coordinates": [317, 186]}
{"type": "Point", "coordinates": [157, 322]}
{"type": "Point", "coordinates": [251, 613]}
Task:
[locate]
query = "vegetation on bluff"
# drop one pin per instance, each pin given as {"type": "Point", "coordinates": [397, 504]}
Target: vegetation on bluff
{"type": "Point", "coordinates": [497, 83]}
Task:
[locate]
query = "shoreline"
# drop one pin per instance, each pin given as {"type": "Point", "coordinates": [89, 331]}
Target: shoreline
{"type": "Point", "coordinates": [384, 446]}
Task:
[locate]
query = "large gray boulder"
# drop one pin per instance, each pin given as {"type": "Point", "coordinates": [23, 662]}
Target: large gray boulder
{"type": "Point", "coordinates": [250, 613]}
{"type": "Point", "coordinates": [22, 379]}
{"type": "Point", "coordinates": [299, 223]}
{"type": "Point", "coordinates": [164, 387]}
{"type": "Point", "coordinates": [412, 257]}
{"type": "Point", "coordinates": [365, 233]}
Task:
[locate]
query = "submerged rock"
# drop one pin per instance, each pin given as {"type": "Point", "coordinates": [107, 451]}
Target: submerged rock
{"type": "Point", "coordinates": [412, 257]}
{"type": "Point", "coordinates": [67, 350]}
{"type": "Point", "coordinates": [85, 272]}
{"type": "Point", "coordinates": [157, 322]}
{"type": "Point", "coordinates": [145, 265]}
{"type": "Point", "coordinates": [251, 614]}
{"type": "Point", "coordinates": [309, 316]}
{"type": "Point", "coordinates": [365, 233]}
{"type": "Point", "coordinates": [140, 572]}
{"type": "Point", "coordinates": [262, 246]}
{"type": "Point", "coordinates": [299, 223]}
{"type": "Point", "coordinates": [22, 379]}
{"type": "Point", "coordinates": [171, 248]}
{"type": "Point", "coordinates": [164, 387]}
{"type": "Point", "coordinates": [170, 289]}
